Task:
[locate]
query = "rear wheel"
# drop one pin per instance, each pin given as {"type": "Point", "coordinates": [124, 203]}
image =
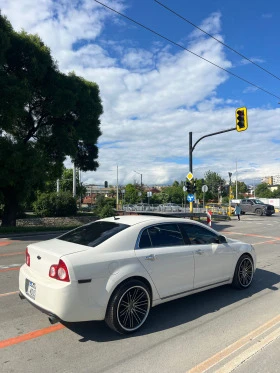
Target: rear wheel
{"type": "Point", "coordinates": [244, 272]}
{"type": "Point", "coordinates": [259, 212]}
{"type": "Point", "coordinates": [128, 307]}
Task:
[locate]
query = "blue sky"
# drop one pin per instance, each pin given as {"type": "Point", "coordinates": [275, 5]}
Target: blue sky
{"type": "Point", "coordinates": [154, 93]}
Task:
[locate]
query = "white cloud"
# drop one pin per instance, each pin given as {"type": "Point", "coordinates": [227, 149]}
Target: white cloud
{"type": "Point", "coordinates": [256, 60]}
{"type": "Point", "coordinates": [267, 15]}
{"type": "Point", "coordinates": [153, 96]}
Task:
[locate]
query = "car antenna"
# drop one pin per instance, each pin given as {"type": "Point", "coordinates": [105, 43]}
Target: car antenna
{"type": "Point", "coordinates": [116, 218]}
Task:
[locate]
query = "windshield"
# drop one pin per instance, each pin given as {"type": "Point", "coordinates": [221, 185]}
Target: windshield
{"type": "Point", "coordinates": [93, 234]}
{"type": "Point", "coordinates": [259, 202]}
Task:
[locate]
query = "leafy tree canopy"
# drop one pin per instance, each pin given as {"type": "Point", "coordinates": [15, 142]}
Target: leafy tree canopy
{"type": "Point", "coordinates": [45, 116]}
{"type": "Point", "coordinates": [213, 181]}
{"type": "Point", "coordinates": [262, 191]}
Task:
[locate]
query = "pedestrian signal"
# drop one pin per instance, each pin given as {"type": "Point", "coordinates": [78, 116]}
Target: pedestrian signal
{"type": "Point", "coordinates": [241, 119]}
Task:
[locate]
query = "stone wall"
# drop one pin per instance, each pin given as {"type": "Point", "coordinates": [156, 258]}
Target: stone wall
{"type": "Point", "coordinates": [53, 222]}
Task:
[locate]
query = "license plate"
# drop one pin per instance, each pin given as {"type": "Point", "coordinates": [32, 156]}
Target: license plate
{"type": "Point", "coordinates": [30, 288]}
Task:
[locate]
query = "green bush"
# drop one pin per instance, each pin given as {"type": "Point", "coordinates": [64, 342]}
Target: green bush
{"type": "Point", "coordinates": [106, 211]}
{"type": "Point", "coordinates": [53, 204]}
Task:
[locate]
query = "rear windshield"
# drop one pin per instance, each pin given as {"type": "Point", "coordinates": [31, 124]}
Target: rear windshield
{"type": "Point", "coordinates": [93, 234]}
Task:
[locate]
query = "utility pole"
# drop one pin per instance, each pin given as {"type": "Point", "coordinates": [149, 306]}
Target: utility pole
{"type": "Point", "coordinates": [74, 180]}
{"type": "Point", "coordinates": [117, 187]}
{"type": "Point", "coordinates": [192, 147]}
{"type": "Point", "coordinates": [236, 191]}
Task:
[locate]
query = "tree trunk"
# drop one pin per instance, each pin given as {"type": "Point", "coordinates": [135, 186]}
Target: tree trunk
{"type": "Point", "coordinates": [10, 208]}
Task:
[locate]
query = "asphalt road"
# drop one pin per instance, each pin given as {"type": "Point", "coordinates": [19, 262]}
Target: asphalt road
{"type": "Point", "coordinates": [214, 331]}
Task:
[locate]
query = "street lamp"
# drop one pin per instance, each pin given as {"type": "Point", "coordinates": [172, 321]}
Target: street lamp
{"type": "Point", "coordinates": [229, 205]}
{"type": "Point", "coordinates": [140, 175]}
{"type": "Point", "coordinates": [123, 193]}
{"type": "Point", "coordinates": [140, 182]}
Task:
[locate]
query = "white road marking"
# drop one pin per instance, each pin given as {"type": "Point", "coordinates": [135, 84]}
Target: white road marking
{"type": "Point", "coordinates": [11, 266]}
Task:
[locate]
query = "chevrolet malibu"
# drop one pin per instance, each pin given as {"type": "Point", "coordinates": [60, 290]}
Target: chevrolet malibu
{"type": "Point", "coordinates": [116, 269]}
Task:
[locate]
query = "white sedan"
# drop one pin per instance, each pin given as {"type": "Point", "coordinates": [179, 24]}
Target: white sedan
{"type": "Point", "coordinates": [116, 269]}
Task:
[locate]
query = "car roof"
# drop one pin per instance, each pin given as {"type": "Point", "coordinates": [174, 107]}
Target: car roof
{"type": "Point", "coordinates": [138, 219]}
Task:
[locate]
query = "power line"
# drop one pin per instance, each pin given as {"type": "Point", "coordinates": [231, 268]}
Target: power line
{"type": "Point", "coordinates": [219, 41]}
{"type": "Point", "coordinates": [188, 50]}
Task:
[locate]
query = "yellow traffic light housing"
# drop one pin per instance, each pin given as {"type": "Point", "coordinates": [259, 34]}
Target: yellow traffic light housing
{"type": "Point", "coordinates": [241, 119]}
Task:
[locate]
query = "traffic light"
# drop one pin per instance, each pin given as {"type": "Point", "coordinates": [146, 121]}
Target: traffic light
{"type": "Point", "coordinates": [189, 187]}
{"type": "Point", "coordinates": [194, 187]}
{"type": "Point", "coordinates": [241, 119]}
{"type": "Point", "coordinates": [106, 184]}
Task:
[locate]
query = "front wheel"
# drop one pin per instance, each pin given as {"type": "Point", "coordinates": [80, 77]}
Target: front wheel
{"type": "Point", "coordinates": [244, 272]}
{"type": "Point", "coordinates": [128, 307]}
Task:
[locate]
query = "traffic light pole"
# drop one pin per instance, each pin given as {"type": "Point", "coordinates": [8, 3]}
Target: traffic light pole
{"type": "Point", "coordinates": [191, 149]}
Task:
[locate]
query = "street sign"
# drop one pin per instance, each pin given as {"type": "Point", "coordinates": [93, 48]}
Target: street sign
{"type": "Point", "coordinates": [189, 176]}
{"type": "Point", "coordinates": [204, 188]}
{"type": "Point", "coordinates": [190, 197]}
{"type": "Point", "coordinates": [149, 194]}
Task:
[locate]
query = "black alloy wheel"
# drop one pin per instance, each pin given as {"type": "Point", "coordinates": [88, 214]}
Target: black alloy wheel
{"type": "Point", "coordinates": [244, 272]}
{"type": "Point", "coordinates": [129, 307]}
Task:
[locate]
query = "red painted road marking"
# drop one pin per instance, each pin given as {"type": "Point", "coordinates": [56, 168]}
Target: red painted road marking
{"type": "Point", "coordinates": [6, 294]}
{"type": "Point", "coordinates": [253, 235]}
{"type": "Point", "coordinates": [11, 254]}
{"type": "Point", "coordinates": [31, 335]}
{"type": "Point", "coordinates": [10, 269]}
{"type": "Point", "coordinates": [263, 242]}
{"type": "Point", "coordinates": [5, 243]}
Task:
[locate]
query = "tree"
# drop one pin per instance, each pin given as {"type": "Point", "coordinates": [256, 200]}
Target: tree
{"type": "Point", "coordinates": [262, 191]}
{"type": "Point", "coordinates": [276, 193]}
{"type": "Point", "coordinates": [173, 194]}
{"type": "Point", "coordinates": [55, 204]}
{"type": "Point", "coordinates": [44, 116]}
{"type": "Point", "coordinates": [131, 193]}
{"type": "Point", "coordinates": [213, 181]}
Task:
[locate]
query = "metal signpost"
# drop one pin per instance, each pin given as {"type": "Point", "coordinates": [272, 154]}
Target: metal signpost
{"type": "Point", "coordinates": [204, 190]}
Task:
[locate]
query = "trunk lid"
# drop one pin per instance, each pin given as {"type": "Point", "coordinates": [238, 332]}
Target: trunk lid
{"type": "Point", "coordinates": [46, 253]}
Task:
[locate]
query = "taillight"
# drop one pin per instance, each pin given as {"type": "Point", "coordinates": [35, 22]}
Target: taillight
{"type": "Point", "coordinates": [59, 271]}
{"type": "Point", "coordinates": [27, 257]}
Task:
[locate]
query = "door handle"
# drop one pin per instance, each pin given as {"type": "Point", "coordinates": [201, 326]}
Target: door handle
{"type": "Point", "coordinates": [199, 251]}
{"type": "Point", "coordinates": [151, 257]}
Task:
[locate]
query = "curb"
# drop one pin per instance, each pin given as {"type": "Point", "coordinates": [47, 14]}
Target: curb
{"type": "Point", "coordinates": [22, 234]}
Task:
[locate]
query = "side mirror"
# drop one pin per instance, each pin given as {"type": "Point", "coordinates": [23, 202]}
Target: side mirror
{"type": "Point", "coordinates": [222, 239]}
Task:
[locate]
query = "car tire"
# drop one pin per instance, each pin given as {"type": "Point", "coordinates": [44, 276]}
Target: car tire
{"type": "Point", "coordinates": [128, 307]}
{"type": "Point", "coordinates": [244, 272]}
{"type": "Point", "coordinates": [259, 212]}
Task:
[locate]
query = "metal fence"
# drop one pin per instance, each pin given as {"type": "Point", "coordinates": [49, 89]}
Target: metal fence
{"type": "Point", "coordinates": [217, 210]}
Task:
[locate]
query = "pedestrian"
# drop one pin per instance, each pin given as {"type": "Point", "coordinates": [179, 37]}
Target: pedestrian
{"type": "Point", "coordinates": [237, 211]}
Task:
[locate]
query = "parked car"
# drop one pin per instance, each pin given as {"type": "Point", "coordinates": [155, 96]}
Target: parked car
{"type": "Point", "coordinates": [142, 207]}
{"type": "Point", "coordinates": [116, 269]}
{"type": "Point", "coordinates": [129, 207]}
{"type": "Point", "coordinates": [169, 207]}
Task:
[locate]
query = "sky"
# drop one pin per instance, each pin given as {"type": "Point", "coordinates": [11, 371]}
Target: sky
{"type": "Point", "coordinates": [155, 92]}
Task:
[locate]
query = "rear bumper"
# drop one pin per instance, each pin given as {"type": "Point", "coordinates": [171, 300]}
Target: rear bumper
{"type": "Point", "coordinates": [71, 302]}
{"type": "Point", "coordinates": [50, 314]}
